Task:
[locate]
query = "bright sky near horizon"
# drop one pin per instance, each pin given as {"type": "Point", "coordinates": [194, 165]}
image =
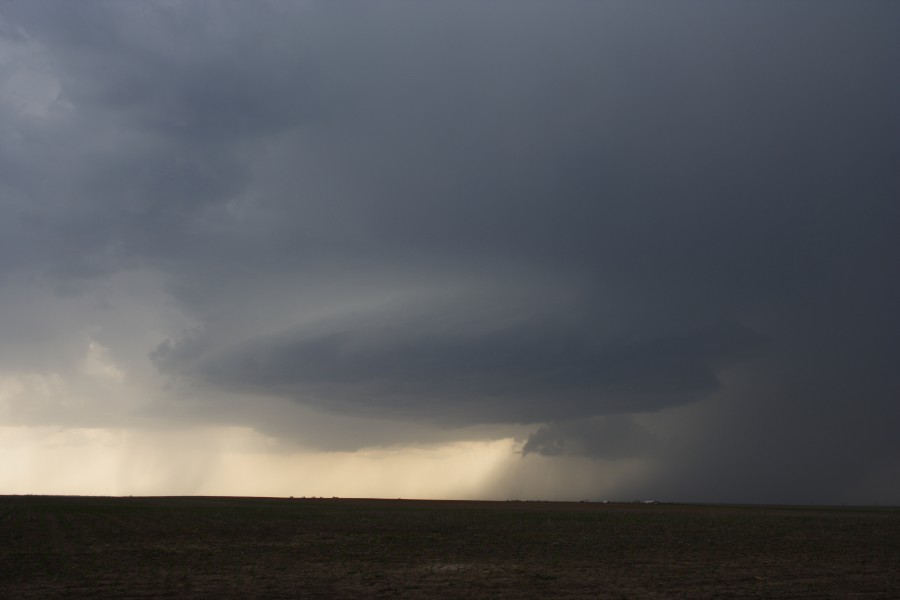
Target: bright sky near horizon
{"type": "Point", "coordinates": [517, 249]}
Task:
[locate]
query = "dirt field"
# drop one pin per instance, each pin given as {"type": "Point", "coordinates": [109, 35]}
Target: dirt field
{"type": "Point", "coordinates": [71, 547]}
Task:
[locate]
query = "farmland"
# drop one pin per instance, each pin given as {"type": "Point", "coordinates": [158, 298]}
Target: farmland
{"type": "Point", "coordinates": [195, 547]}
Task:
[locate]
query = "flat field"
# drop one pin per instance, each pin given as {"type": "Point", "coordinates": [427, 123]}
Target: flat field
{"type": "Point", "coordinates": [195, 547]}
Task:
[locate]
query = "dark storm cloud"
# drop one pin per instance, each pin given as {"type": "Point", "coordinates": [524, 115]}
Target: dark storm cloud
{"type": "Point", "coordinates": [161, 100]}
{"type": "Point", "coordinates": [519, 373]}
{"type": "Point", "coordinates": [469, 213]}
{"type": "Point", "coordinates": [600, 437]}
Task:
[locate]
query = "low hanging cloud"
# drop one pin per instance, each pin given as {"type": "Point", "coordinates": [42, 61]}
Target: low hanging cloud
{"type": "Point", "coordinates": [506, 374]}
{"type": "Point", "coordinates": [615, 437]}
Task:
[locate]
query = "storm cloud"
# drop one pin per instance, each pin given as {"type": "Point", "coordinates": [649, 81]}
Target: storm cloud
{"type": "Point", "coordinates": [642, 230]}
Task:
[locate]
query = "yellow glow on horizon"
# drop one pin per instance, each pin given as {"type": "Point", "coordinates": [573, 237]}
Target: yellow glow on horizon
{"type": "Point", "coordinates": [235, 461]}
{"type": "Point", "coordinates": [457, 470]}
{"type": "Point", "coordinates": [239, 461]}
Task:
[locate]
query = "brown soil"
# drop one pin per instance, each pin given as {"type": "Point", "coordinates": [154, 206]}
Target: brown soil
{"type": "Point", "coordinates": [72, 547]}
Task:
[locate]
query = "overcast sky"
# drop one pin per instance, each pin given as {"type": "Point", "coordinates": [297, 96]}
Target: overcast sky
{"type": "Point", "coordinates": [505, 249]}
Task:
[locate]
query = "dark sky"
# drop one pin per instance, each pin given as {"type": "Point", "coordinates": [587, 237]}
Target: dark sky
{"type": "Point", "coordinates": [619, 233]}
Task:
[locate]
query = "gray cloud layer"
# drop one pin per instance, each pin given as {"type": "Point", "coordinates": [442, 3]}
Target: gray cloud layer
{"type": "Point", "coordinates": [468, 214]}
